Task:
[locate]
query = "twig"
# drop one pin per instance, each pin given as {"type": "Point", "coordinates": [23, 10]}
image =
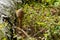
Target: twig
{"type": "Point", "coordinates": [23, 31]}
{"type": "Point", "coordinates": [38, 32]}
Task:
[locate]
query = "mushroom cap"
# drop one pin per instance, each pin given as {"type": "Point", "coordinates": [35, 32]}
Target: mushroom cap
{"type": "Point", "coordinates": [19, 13]}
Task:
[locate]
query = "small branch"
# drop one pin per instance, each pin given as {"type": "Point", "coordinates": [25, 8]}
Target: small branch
{"type": "Point", "coordinates": [38, 32]}
{"type": "Point", "coordinates": [23, 31]}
